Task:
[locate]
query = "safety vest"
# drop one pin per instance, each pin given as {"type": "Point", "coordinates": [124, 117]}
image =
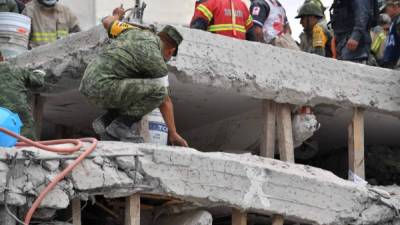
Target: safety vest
{"type": "Point", "coordinates": [49, 24]}
{"type": "Point", "coordinates": [222, 21]}
{"type": "Point", "coordinates": [275, 23]}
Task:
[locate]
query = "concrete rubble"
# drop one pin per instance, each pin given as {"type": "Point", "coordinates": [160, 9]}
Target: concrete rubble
{"type": "Point", "coordinates": [216, 66]}
{"type": "Point", "coordinates": [224, 63]}
{"type": "Point", "coordinates": [247, 182]}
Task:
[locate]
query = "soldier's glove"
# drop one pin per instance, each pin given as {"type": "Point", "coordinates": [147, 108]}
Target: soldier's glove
{"type": "Point", "coordinates": [39, 73]}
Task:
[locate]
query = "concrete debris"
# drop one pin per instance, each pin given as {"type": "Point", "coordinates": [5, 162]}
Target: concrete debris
{"type": "Point", "coordinates": [223, 63]}
{"type": "Point", "coordinates": [5, 218]}
{"type": "Point", "coordinates": [206, 180]}
{"type": "Point", "coordinates": [197, 217]}
{"type": "Point", "coordinates": [304, 127]}
{"type": "Point", "coordinates": [51, 165]}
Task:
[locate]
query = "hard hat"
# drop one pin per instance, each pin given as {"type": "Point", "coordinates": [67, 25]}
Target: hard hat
{"type": "Point", "coordinates": [48, 3]}
{"type": "Point", "coordinates": [310, 9]}
{"type": "Point", "coordinates": [172, 36]}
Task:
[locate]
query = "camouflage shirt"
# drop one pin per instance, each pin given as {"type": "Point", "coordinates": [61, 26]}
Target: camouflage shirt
{"type": "Point", "coordinates": [16, 81]}
{"type": "Point", "coordinates": [14, 86]}
{"type": "Point", "coordinates": [134, 53]}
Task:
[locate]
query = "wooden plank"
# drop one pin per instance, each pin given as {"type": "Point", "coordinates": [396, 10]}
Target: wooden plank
{"type": "Point", "coordinates": [238, 217]}
{"type": "Point", "coordinates": [76, 212]}
{"type": "Point", "coordinates": [132, 210]}
{"type": "Point", "coordinates": [356, 143]}
{"type": "Point", "coordinates": [38, 114]}
{"type": "Point", "coordinates": [278, 220]}
{"type": "Point", "coordinates": [285, 133]}
{"type": "Point", "coordinates": [268, 136]}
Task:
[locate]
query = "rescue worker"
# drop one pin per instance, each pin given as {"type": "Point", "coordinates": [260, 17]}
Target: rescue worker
{"type": "Point", "coordinates": [8, 6]}
{"type": "Point", "coordinates": [271, 23]}
{"type": "Point", "coordinates": [316, 37]}
{"type": "Point", "coordinates": [392, 50]}
{"type": "Point", "coordinates": [350, 22]}
{"type": "Point", "coordinates": [129, 79]}
{"type": "Point", "coordinates": [50, 21]}
{"type": "Point", "coordinates": [379, 35]}
{"type": "Point", "coordinates": [14, 86]}
{"type": "Point", "coordinates": [216, 16]}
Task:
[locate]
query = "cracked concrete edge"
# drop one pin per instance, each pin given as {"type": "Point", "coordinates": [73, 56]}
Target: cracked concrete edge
{"type": "Point", "coordinates": [247, 68]}
{"type": "Point", "coordinates": [251, 183]}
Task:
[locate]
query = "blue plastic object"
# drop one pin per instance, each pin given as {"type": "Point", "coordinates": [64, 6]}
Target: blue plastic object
{"type": "Point", "coordinates": [12, 122]}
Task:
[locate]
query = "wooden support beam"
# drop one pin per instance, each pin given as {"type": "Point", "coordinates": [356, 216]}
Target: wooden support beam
{"type": "Point", "coordinates": [278, 220]}
{"type": "Point", "coordinates": [38, 107]}
{"type": "Point", "coordinates": [132, 210]}
{"type": "Point", "coordinates": [285, 133]}
{"type": "Point", "coordinates": [76, 212]}
{"type": "Point", "coordinates": [268, 136]}
{"type": "Point", "coordinates": [238, 217]}
{"type": "Point", "coordinates": [356, 143]}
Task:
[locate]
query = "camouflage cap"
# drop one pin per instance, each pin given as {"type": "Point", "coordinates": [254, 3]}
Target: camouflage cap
{"type": "Point", "coordinates": [172, 36]}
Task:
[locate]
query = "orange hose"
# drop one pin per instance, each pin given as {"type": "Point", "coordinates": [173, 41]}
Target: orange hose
{"type": "Point", "coordinates": [43, 145]}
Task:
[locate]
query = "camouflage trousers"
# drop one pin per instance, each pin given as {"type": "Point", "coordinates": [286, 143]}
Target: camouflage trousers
{"type": "Point", "coordinates": [130, 96]}
{"type": "Point", "coordinates": [24, 111]}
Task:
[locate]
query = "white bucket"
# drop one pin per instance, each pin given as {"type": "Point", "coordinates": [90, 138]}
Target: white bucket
{"type": "Point", "coordinates": [14, 33]}
{"type": "Point", "coordinates": [153, 128]}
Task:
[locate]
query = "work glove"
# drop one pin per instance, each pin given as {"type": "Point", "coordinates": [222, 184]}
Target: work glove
{"type": "Point", "coordinates": [41, 73]}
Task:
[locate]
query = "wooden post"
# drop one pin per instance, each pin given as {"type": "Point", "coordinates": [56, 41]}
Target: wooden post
{"type": "Point", "coordinates": [238, 217]}
{"type": "Point", "coordinates": [38, 107]}
{"type": "Point", "coordinates": [285, 133]}
{"type": "Point", "coordinates": [356, 143]}
{"type": "Point", "coordinates": [278, 220]}
{"type": "Point", "coordinates": [132, 210]}
{"type": "Point", "coordinates": [76, 212]}
{"type": "Point", "coordinates": [268, 136]}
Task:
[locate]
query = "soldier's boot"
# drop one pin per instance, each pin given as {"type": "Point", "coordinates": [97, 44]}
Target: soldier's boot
{"type": "Point", "coordinates": [100, 123]}
{"type": "Point", "coordinates": [124, 128]}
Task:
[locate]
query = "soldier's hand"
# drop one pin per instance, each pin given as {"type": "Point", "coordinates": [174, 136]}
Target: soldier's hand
{"type": "Point", "coordinates": [176, 140]}
{"type": "Point", "coordinates": [352, 44]}
{"type": "Point", "coordinates": [119, 12]}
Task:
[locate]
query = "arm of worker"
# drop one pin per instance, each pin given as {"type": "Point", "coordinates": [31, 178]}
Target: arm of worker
{"type": "Point", "coordinates": [203, 15]}
{"type": "Point", "coordinates": [319, 40]}
{"type": "Point", "coordinates": [361, 20]}
{"type": "Point", "coordinates": [250, 33]}
{"type": "Point", "coordinates": [167, 110]}
{"type": "Point", "coordinates": [259, 11]}
{"type": "Point", "coordinates": [34, 79]}
{"type": "Point", "coordinates": [73, 22]}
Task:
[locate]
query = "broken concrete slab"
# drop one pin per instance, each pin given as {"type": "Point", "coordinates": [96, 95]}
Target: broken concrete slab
{"type": "Point", "coordinates": [246, 182]}
{"type": "Point", "coordinates": [248, 68]}
{"type": "Point", "coordinates": [196, 217]}
{"type": "Point", "coordinates": [5, 218]}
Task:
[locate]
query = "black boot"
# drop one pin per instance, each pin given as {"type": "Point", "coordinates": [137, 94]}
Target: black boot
{"type": "Point", "coordinates": [100, 123]}
{"type": "Point", "coordinates": [124, 128]}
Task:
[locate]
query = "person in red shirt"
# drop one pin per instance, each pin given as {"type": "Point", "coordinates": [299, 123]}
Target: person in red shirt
{"type": "Point", "coordinates": [216, 16]}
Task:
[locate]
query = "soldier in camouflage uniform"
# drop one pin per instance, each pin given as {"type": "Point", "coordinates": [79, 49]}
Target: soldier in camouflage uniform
{"type": "Point", "coordinates": [14, 86]}
{"type": "Point", "coordinates": [129, 79]}
{"type": "Point", "coordinates": [316, 37]}
{"type": "Point", "coordinates": [8, 6]}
